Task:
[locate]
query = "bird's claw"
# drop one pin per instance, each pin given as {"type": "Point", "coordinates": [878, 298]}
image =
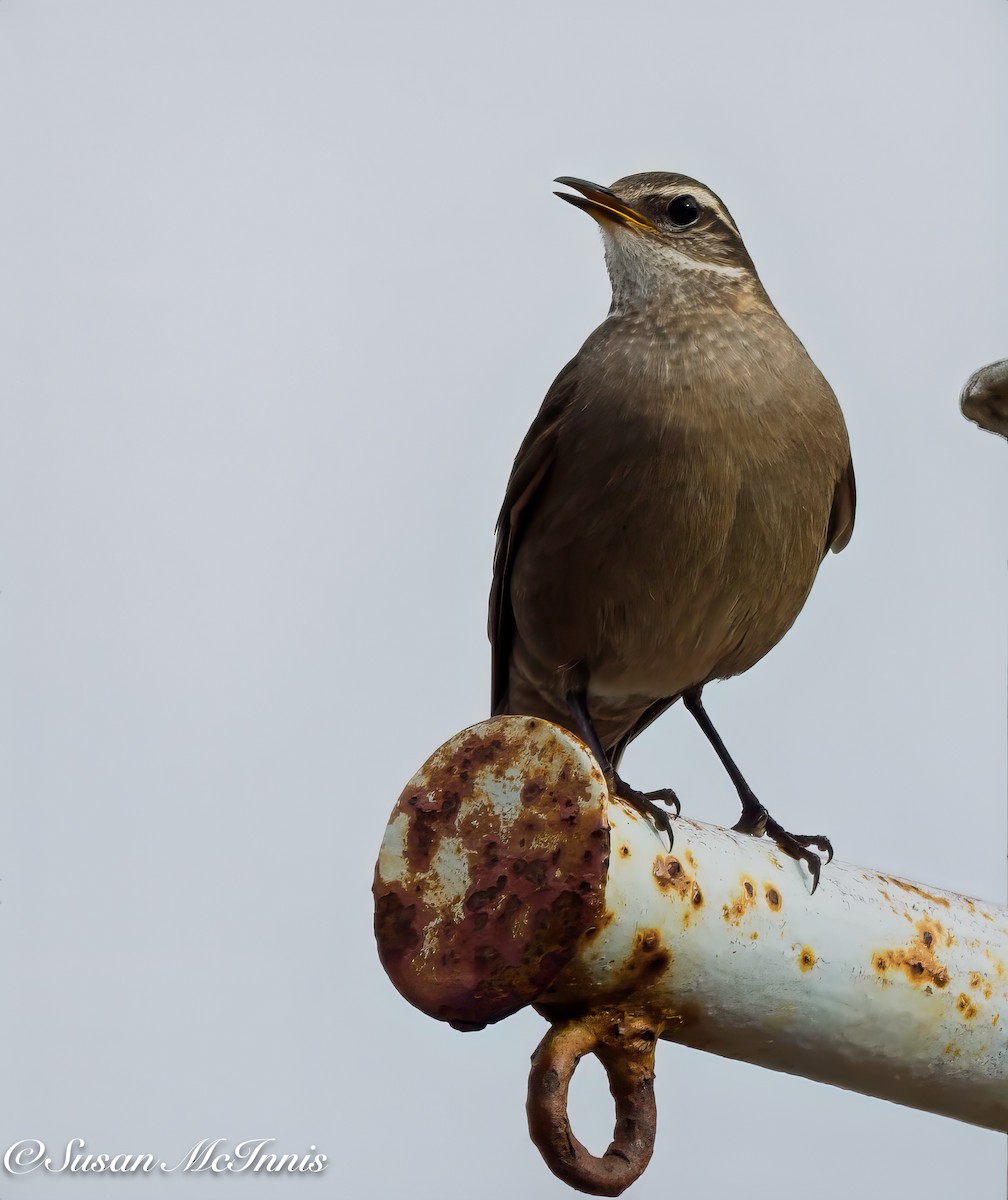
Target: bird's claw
{"type": "Point", "coordinates": [666, 796]}
{"type": "Point", "coordinates": [756, 821]}
{"type": "Point", "coordinates": [797, 846]}
{"type": "Point", "coordinates": [644, 803]}
{"type": "Point", "coordinates": [817, 840]}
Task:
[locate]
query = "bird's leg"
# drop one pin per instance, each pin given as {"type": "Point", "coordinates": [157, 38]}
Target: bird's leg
{"type": "Point", "coordinates": [755, 819]}
{"type": "Point", "coordinates": [644, 802]}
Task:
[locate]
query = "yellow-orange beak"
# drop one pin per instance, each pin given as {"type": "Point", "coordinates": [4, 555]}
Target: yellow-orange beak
{"type": "Point", "coordinates": [602, 204]}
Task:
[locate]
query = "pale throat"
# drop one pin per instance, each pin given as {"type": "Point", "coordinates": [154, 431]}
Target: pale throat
{"type": "Point", "coordinates": [643, 272]}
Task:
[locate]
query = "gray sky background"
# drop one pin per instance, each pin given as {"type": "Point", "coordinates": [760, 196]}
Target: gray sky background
{"type": "Point", "coordinates": [282, 286]}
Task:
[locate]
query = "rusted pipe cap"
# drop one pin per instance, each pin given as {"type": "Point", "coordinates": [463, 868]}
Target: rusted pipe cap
{"type": "Point", "coordinates": [491, 869]}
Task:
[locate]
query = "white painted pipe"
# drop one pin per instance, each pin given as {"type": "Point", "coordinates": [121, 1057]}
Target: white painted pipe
{"type": "Point", "coordinates": [508, 876]}
{"type": "Point", "coordinates": [873, 983]}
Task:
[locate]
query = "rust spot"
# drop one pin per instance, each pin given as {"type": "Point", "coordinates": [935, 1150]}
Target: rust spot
{"type": "Point", "coordinates": [753, 936]}
{"type": "Point", "coordinates": [430, 814]}
{"type": "Point", "coordinates": [394, 925]}
{"type": "Point", "coordinates": [965, 1007]}
{"type": "Point", "coordinates": [773, 897]}
{"type": "Point", "coordinates": [532, 790]}
{"type": "Point", "coordinates": [807, 959]}
{"type": "Point", "coordinates": [952, 1049]}
{"type": "Point", "coordinates": [696, 899]}
{"type": "Point", "coordinates": [649, 958]}
{"type": "Point", "coordinates": [670, 876]}
{"type": "Point", "coordinates": [647, 961]}
{"type": "Point", "coordinates": [689, 1016]}
{"type": "Point", "coordinates": [736, 910]}
{"type": "Point", "coordinates": [995, 1018]}
{"type": "Point", "coordinates": [918, 891]}
{"type": "Point", "coordinates": [978, 981]}
{"type": "Point", "coordinates": [918, 960]}
{"type": "Point", "coordinates": [624, 851]}
{"type": "Point", "coordinates": [485, 897]}
{"type": "Point", "coordinates": [644, 965]}
{"type": "Point", "coordinates": [690, 859]}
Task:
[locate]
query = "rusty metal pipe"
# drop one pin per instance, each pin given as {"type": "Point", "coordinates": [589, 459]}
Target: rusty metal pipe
{"type": "Point", "coordinates": [508, 877]}
{"type": "Point", "coordinates": [874, 984]}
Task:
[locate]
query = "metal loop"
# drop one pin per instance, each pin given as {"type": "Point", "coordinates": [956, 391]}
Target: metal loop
{"type": "Point", "coordinates": [624, 1043]}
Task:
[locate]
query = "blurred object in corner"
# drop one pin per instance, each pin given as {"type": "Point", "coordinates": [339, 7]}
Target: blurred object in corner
{"type": "Point", "coordinates": [984, 399]}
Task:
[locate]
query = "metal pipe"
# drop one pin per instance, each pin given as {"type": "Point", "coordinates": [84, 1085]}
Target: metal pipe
{"type": "Point", "coordinates": [984, 399]}
{"type": "Point", "coordinates": [874, 984]}
{"type": "Point", "coordinates": [508, 876]}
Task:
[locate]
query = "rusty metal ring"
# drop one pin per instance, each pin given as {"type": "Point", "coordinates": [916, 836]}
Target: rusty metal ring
{"type": "Point", "coordinates": [624, 1043]}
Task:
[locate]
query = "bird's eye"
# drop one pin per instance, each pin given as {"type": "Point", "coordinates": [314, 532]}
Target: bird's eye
{"type": "Point", "coordinates": [683, 211]}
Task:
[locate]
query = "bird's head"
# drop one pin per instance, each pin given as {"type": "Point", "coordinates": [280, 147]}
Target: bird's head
{"type": "Point", "coordinates": [666, 237]}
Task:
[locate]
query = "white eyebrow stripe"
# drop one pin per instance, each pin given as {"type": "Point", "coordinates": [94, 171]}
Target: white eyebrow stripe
{"type": "Point", "coordinates": [714, 203]}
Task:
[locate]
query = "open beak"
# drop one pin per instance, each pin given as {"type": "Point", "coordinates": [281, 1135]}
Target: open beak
{"type": "Point", "coordinates": [602, 204]}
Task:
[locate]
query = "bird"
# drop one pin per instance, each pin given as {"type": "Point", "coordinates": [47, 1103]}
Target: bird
{"type": "Point", "coordinates": [672, 501]}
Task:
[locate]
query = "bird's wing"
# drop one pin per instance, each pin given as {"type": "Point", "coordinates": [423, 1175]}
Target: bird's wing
{"type": "Point", "coordinates": [531, 467]}
{"type": "Point", "coordinates": [841, 522]}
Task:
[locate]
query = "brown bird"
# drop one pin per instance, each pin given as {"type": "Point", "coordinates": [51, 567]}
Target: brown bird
{"type": "Point", "coordinates": [669, 507]}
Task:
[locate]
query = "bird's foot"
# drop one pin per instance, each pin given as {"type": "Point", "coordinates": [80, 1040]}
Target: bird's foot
{"type": "Point", "coordinates": [755, 820]}
{"type": "Point", "coordinates": [647, 803]}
